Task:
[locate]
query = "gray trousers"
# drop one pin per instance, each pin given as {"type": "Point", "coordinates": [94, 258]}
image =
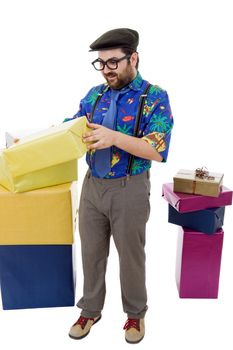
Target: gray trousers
{"type": "Point", "coordinates": [118, 207]}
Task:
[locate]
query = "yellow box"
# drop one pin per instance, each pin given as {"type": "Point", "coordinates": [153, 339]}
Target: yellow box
{"type": "Point", "coordinates": [186, 181]}
{"type": "Point", "coordinates": [57, 174]}
{"type": "Point", "coordinates": [44, 159]}
{"type": "Point", "coordinates": [43, 216]}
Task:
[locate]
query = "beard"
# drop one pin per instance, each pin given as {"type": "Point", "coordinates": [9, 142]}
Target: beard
{"type": "Point", "coordinates": [118, 80]}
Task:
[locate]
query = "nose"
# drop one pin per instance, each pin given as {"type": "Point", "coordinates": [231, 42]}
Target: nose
{"type": "Point", "coordinates": [106, 69]}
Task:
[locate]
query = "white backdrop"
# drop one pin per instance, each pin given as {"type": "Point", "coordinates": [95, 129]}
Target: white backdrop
{"type": "Point", "coordinates": [185, 47]}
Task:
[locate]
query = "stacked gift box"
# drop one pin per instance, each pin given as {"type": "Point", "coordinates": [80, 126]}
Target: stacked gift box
{"type": "Point", "coordinates": [38, 209]}
{"type": "Point", "coordinates": [196, 203]}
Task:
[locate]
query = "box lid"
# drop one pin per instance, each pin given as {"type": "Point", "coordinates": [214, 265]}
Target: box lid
{"type": "Point", "coordinates": [185, 175]}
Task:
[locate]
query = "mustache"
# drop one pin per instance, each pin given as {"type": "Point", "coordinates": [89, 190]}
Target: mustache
{"type": "Point", "coordinates": [110, 75]}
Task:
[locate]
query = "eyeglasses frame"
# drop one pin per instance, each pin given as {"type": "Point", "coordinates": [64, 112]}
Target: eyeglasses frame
{"type": "Point", "coordinates": [105, 63]}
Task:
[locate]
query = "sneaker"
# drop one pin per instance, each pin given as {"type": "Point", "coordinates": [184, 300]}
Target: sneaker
{"type": "Point", "coordinates": [82, 327]}
{"type": "Point", "coordinates": [134, 330]}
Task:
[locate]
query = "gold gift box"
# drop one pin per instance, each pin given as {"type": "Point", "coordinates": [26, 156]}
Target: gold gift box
{"type": "Point", "coordinates": [186, 181]}
{"type": "Point", "coordinates": [43, 216]}
{"type": "Point", "coordinates": [44, 159]}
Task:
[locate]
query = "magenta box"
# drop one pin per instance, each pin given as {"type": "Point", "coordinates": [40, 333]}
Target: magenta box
{"type": "Point", "coordinates": [184, 202]}
{"type": "Point", "coordinates": [198, 263]}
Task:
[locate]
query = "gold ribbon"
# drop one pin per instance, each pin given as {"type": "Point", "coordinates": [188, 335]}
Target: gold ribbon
{"type": "Point", "coordinates": [203, 173]}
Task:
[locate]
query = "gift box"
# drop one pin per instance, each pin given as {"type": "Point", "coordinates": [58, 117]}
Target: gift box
{"type": "Point", "coordinates": [198, 263]}
{"type": "Point", "coordinates": [37, 276]}
{"type": "Point", "coordinates": [187, 181]}
{"type": "Point", "coordinates": [44, 159]}
{"type": "Point", "coordinates": [58, 174]}
{"type": "Point", "coordinates": [43, 216]}
{"type": "Point", "coordinates": [184, 202]}
{"type": "Point", "coordinates": [207, 220]}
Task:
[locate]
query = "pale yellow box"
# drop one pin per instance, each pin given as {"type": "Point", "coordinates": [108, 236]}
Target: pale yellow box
{"type": "Point", "coordinates": [43, 216]}
{"type": "Point", "coordinates": [45, 158]}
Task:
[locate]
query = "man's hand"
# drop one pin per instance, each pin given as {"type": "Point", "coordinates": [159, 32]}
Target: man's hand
{"type": "Point", "coordinates": [101, 137]}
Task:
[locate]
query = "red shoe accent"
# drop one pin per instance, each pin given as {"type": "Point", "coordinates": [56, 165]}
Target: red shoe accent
{"type": "Point", "coordinates": [82, 321]}
{"type": "Point", "coordinates": [132, 323]}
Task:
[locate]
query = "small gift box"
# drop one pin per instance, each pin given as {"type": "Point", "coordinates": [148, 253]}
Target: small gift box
{"type": "Point", "coordinates": [44, 159]}
{"type": "Point", "coordinates": [199, 181]}
{"type": "Point", "coordinates": [207, 220]}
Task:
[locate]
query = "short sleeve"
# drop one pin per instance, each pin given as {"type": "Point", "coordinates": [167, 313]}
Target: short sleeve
{"type": "Point", "coordinates": [159, 126]}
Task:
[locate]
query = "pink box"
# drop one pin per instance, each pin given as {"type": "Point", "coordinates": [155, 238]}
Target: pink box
{"type": "Point", "coordinates": [184, 202]}
{"type": "Point", "coordinates": [198, 263]}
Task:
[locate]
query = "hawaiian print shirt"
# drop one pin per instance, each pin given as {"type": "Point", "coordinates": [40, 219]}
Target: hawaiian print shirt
{"type": "Point", "coordinates": [155, 127]}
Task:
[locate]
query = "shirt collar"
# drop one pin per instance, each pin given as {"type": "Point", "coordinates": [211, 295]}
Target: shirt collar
{"type": "Point", "coordinates": [136, 84]}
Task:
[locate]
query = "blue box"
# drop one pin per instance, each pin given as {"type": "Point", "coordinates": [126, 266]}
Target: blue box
{"type": "Point", "coordinates": [206, 221]}
{"type": "Point", "coordinates": [36, 276]}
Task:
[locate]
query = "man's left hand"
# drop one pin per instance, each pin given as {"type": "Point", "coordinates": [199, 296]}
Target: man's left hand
{"type": "Point", "coordinates": [101, 137]}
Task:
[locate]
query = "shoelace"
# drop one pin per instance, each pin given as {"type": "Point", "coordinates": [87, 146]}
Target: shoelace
{"type": "Point", "coordinates": [82, 321]}
{"type": "Point", "coordinates": [132, 323]}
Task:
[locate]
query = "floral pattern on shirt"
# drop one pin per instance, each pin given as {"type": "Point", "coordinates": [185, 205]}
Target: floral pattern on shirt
{"type": "Point", "coordinates": [155, 127]}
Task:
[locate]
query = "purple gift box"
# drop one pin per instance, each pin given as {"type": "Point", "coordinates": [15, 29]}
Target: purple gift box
{"type": "Point", "coordinates": [184, 202]}
{"type": "Point", "coordinates": [198, 263]}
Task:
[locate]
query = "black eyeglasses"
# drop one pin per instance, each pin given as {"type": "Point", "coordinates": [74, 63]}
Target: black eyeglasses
{"type": "Point", "coordinates": [111, 63]}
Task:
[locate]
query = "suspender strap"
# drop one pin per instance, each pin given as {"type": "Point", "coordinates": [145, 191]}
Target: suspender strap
{"type": "Point", "coordinates": [137, 121]}
{"type": "Point", "coordinates": [137, 125]}
{"type": "Point", "coordinates": [100, 94]}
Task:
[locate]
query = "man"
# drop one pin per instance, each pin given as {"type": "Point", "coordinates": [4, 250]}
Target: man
{"type": "Point", "coordinates": [116, 188]}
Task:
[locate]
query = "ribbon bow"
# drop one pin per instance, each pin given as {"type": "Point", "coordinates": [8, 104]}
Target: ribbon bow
{"type": "Point", "coordinates": [203, 174]}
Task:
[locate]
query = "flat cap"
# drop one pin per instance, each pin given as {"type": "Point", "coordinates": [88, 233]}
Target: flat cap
{"type": "Point", "coordinates": [116, 38]}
